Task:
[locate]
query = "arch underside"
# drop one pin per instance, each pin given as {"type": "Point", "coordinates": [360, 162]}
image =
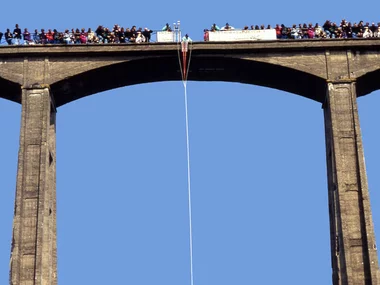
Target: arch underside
{"type": "Point", "coordinates": [368, 83]}
{"type": "Point", "coordinates": [201, 69]}
{"type": "Point", "coordinates": [10, 90]}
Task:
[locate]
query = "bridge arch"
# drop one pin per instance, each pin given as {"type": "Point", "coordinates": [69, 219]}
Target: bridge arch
{"type": "Point", "coordinates": [10, 90]}
{"type": "Point", "coordinates": [210, 68]}
{"type": "Point", "coordinates": [368, 83]}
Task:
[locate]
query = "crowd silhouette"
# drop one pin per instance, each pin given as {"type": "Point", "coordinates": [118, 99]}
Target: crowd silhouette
{"type": "Point", "coordinates": [118, 34]}
{"type": "Point", "coordinates": [329, 30]}
{"type": "Point", "coordinates": [76, 36]}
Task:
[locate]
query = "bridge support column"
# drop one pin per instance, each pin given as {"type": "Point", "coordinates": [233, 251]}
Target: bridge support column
{"type": "Point", "coordinates": [33, 253]}
{"type": "Point", "coordinates": [353, 246]}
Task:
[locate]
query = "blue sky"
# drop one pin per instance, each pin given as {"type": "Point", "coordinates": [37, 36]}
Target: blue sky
{"type": "Point", "coordinates": [259, 191]}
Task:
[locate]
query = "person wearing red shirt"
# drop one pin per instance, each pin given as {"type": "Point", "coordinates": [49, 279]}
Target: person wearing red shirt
{"type": "Point", "coordinates": [49, 37]}
{"type": "Point", "coordinates": [278, 31]}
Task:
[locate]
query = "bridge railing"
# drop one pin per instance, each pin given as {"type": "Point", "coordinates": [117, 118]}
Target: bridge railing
{"type": "Point", "coordinates": [241, 35]}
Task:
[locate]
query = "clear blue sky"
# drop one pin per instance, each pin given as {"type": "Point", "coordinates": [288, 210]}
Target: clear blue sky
{"type": "Point", "coordinates": [260, 210]}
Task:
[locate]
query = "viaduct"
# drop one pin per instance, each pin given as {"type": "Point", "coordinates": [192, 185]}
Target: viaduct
{"type": "Point", "coordinates": [332, 72]}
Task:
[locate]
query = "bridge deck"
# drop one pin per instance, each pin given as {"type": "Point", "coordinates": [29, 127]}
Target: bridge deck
{"type": "Point", "coordinates": [78, 70]}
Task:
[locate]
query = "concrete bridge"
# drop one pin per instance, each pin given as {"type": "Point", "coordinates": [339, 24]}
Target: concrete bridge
{"type": "Point", "coordinates": [332, 72]}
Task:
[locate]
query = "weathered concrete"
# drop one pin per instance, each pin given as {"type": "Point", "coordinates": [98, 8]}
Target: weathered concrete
{"type": "Point", "coordinates": [76, 71]}
{"type": "Point", "coordinates": [33, 253]}
{"type": "Point", "coordinates": [353, 245]}
{"type": "Point", "coordinates": [332, 72]}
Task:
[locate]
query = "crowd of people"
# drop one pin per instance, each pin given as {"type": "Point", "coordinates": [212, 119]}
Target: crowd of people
{"type": "Point", "coordinates": [309, 31]}
{"type": "Point", "coordinates": [119, 34]}
{"type": "Point", "coordinates": [77, 36]}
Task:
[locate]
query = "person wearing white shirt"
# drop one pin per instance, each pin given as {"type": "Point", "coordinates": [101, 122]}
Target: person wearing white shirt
{"type": "Point", "coordinates": [186, 38]}
{"type": "Point", "coordinates": [140, 38]}
{"type": "Point", "coordinates": [367, 32]}
{"type": "Point", "coordinates": [227, 27]}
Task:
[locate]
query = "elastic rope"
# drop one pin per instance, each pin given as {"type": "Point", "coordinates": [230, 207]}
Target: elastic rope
{"type": "Point", "coordinates": [184, 81]}
{"type": "Point", "coordinates": [188, 64]}
{"type": "Point", "coordinates": [179, 60]}
{"type": "Point", "coordinates": [189, 188]}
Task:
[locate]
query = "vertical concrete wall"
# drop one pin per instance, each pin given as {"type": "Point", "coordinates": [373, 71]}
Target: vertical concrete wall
{"type": "Point", "coordinates": [33, 252]}
{"type": "Point", "coordinates": [353, 246]}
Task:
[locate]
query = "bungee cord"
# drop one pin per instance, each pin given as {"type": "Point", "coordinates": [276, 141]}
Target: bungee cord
{"type": "Point", "coordinates": [184, 69]}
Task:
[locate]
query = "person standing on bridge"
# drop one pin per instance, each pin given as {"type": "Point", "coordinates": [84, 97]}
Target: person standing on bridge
{"type": "Point", "coordinates": [43, 38]}
{"type": "Point", "coordinates": [67, 37]}
{"type": "Point", "coordinates": [167, 28]}
{"type": "Point", "coordinates": [36, 37]}
{"type": "Point", "coordinates": [8, 37]}
{"type": "Point", "coordinates": [206, 35]}
{"type": "Point", "coordinates": [186, 38]}
{"type": "Point", "coordinates": [17, 35]}
{"type": "Point", "coordinates": [147, 34]}
{"type": "Point", "coordinates": [140, 38]}
{"type": "Point", "coordinates": [214, 28]}
{"type": "Point", "coordinates": [227, 27]}
{"type": "Point", "coordinates": [27, 37]}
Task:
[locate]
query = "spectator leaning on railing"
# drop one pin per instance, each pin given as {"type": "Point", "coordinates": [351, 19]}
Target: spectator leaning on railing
{"type": "Point", "coordinates": [147, 34]}
{"type": "Point", "coordinates": [186, 38]}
